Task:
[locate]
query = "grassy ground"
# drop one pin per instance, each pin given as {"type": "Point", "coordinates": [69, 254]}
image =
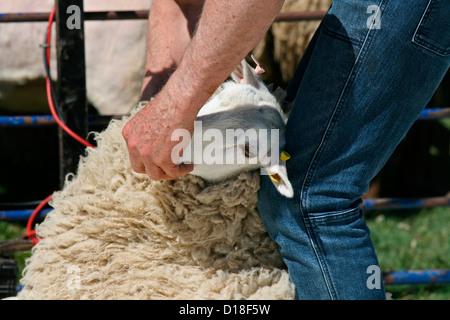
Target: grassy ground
{"type": "Point", "coordinates": [413, 239]}
{"type": "Point", "coordinates": [10, 230]}
{"type": "Point", "coordinates": [404, 240]}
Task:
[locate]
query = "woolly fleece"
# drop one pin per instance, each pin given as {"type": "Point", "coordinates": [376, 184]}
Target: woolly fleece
{"type": "Point", "coordinates": [116, 234]}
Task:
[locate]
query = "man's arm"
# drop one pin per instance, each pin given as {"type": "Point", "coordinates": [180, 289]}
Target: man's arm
{"type": "Point", "coordinates": [227, 31]}
{"type": "Point", "coordinates": [171, 25]}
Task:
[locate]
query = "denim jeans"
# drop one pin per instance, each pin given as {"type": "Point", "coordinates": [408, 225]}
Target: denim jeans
{"type": "Point", "coordinates": [368, 72]}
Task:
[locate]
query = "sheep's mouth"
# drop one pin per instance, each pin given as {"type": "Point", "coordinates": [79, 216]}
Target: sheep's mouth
{"type": "Point", "coordinates": [275, 177]}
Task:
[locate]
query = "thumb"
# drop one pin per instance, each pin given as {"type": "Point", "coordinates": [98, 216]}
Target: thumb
{"type": "Point", "coordinates": [176, 171]}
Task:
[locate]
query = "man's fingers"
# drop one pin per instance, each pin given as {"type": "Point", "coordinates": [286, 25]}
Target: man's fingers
{"type": "Point", "coordinates": [136, 163]}
{"type": "Point", "coordinates": [156, 165]}
{"type": "Point", "coordinates": [179, 170]}
{"type": "Point", "coordinates": [172, 172]}
{"type": "Point", "coordinates": [156, 173]}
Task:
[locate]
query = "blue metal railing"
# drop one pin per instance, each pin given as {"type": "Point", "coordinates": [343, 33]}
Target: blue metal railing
{"type": "Point", "coordinates": [434, 114]}
{"type": "Point", "coordinates": [368, 204]}
{"type": "Point", "coordinates": [439, 276]}
{"type": "Point", "coordinates": [45, 120]}
{"type": "Point", "coordinates": [404, 203]}
{"type": "Point", "coordinates": [20, 215]}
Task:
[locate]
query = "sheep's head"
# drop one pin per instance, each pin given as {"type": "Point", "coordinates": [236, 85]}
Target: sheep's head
{"type": "Point", "coordinates": [241, 128]}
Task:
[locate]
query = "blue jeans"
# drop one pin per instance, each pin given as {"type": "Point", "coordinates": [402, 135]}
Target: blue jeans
{"type": "Point", "coordinates": [368, 72]}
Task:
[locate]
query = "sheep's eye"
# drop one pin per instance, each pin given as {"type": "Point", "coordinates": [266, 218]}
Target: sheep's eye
{"type": "Point", "coordinates": [247, 151]}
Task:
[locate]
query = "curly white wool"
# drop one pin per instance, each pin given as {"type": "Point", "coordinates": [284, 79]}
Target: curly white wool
{"type": "Point", "coordinates": [116, 234]}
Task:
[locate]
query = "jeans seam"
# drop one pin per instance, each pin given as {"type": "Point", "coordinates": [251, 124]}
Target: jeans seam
{"type": "Point", "coordinates": [322, 264]}
{"type": "Point", "coordinates": [303, 196]}
{"type": "Point", "coordinates": [333, 215]}
{"type": "Point", "coordinates": [342, 97]}
{"type": "Point", "coordinates": [418, 40]}
{"type": "Point", "coordinates": [341, 37]}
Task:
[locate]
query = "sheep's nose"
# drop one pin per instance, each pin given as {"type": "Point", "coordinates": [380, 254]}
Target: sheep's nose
{"type": "Point", "coordinates": [284, 156]}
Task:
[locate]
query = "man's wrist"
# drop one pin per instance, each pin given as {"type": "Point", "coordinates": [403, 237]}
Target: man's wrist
{"type": "Point", "coordinates": [187, 92]}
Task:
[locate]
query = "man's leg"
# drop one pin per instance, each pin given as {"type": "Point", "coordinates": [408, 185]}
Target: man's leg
{"type": "Point", "coordinates": [171, 25]}
{"type": "Point", "coordinates": [369, 71]}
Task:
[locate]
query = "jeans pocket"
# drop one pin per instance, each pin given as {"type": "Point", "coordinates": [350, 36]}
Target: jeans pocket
{"type": "Point", "coordinates": [433, 33]}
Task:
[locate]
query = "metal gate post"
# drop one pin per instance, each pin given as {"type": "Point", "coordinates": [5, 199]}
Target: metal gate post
{"type": "Point", "coordinates": [71, 82]}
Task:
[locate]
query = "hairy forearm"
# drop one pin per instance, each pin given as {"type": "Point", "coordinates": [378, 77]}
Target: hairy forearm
{"type": "Point", "coordinates": [227, 31]}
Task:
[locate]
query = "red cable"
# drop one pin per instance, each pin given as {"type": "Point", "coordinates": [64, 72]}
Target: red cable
{"type": "Point", "coordinates": [49, 90]}
{"type": "Point", "coordinates": [31, 234]}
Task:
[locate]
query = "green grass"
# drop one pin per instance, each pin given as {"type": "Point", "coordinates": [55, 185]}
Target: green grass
{"type": "Point", "coordinates": [2, 189]}
{"type": "Point", "coordinates": [10, 230]}
{"type": "Point", "coordinates": [404, 240]}
{"type": "Point", "coordinates": [413, 239]}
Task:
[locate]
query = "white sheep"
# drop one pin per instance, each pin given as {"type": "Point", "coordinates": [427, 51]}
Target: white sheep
{"type": "Point", "coordinates": [116, 234]}
{"type": "Point", "coordinates": [245, 104]}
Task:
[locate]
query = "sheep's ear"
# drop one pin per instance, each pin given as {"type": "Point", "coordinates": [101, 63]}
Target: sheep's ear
{"type": "Point", "coordinates": [279, 177]}
{"type": "Point", "coordinates": [245, 74]}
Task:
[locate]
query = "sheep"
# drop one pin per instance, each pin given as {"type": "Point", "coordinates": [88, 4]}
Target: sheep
{"type": "Point", "coordinates": [121, 43]}
{"type": "Point", "coordinates": [117, 234]}
{"type": "Point", "coordinates": [248, 99]}
{"type": "Point", "coordinates": [283, 46]}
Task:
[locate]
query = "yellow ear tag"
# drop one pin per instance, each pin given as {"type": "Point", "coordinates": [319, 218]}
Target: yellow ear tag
{"type": "Point", "coordinates": [285, 156]}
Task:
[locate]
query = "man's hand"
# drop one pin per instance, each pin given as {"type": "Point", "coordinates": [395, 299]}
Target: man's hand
{"type": "Point", "coordinates": [148, 136]}
{"type": "Point", "coordinates": [226, 32]}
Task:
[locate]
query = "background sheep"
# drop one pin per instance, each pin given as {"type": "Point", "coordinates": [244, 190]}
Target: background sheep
{"type": "Point", "coordinates": [284, 44]}
{"type": "Point", "coordinates": [116, 234]}
{"type": "Point", "coordinates": [121, 43]}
